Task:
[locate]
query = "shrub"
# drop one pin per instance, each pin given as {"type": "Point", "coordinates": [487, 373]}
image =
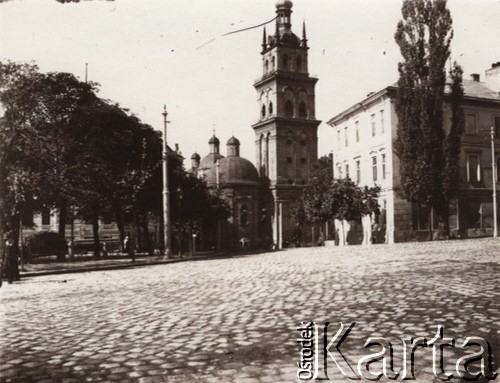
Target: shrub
{"type": "Point", "coordinates": [49, 243]}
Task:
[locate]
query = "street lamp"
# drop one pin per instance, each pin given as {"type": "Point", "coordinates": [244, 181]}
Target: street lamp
{"type": "Point", "coordinates": [494, 182]}
{"type": "Point", "coordinates": [166, 201]}
{"type": "Point", "coordinates": [179, 196]}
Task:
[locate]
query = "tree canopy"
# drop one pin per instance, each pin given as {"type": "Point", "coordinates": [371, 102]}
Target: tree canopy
{"type": "Point", "coordinates": [62, 147]}
{"type": "Point", "coordinates": [428, 154]}
{"type": "Point", "coordinates": [325, 199]}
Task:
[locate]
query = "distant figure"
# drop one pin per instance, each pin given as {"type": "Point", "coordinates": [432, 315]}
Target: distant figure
{"type": "Point", "coordinates": [104, 250]}
{"type": "Point", "coordinates": [71, 250]}
{"type": "Point", "coordinates": [10, 261]}
{"type": "Point", "coordinates": [126, 241]}
{"type": "Point", "coordinates": [130, 246]}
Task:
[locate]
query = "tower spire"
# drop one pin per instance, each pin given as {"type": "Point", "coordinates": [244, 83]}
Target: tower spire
{"type": "Point", "coordinates": [277, 31]}
{"type": "Point", "coordinates": [264, 39]}
{"type": "Point", "coordinates": [304, 36]}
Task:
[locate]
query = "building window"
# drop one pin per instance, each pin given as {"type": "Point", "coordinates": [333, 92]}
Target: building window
{"type": "Point", "coordinates": [46, 216]}
{"type": "Point", "coordinates": [471, 123]}
{"type": "Point", "coordinates": [302, 110]}
{"type": "Point", "coordinates": [289, 108]}
{"type": "Point", "coordinates": [374, 168]}
{"type": "Point", "coordinates": [266, 66]}
{"type": "Point", "coordinates": [273, 64]}
{"type": "Point", "coordinates": [358, 171]}
{"type": "Point", "coordinates": [244, 215]}
{"type": "Point", "coordinates": [263, 111]}
{"type": "Point", "coordinates": [346, 170]}
{"type": "Point", "coordinates": [298, 62]}
{"type": "Point", "coordinates": [473, 168]}
{"type": "Point", "coordinates": [339, 171]}
{"type": "Point", "coordinates": [338, 139]}
{"type": "Point", "coordinates": [383, 166]}
{"type": "Point", "coordinates": [356, 124]}
{"type": "Point", "coordinates": [497, 127]}
{"type": "Point", "coordinates": [382, 121]}
{"type": "Point", "coordinates": [285, 62]}
{"type": "Point", "coordinates": [270, 108]}
{"type": "Point", "coordinates": [374, 127]}
{"type": "Point", "coordinates": [346, 137]}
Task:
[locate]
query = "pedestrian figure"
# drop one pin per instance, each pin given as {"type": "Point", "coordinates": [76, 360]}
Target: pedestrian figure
{"type": "Point", "coordinates": [104, 250]}
{"type": "Point", "coordinates": [126, 244]}
{"type": "Point", "coordinates": [10, 260]}
{"type": "Point", "coordinates": [129, 245]}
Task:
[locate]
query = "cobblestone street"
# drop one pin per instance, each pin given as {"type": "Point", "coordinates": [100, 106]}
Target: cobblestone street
{"type": "Point", "coordinates": [235, 320]}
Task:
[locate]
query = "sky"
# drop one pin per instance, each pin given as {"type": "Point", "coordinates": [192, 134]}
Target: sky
{"type": "Point", "coordinates": [148, 53]}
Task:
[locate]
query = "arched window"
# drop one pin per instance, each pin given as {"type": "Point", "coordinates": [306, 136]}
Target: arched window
{"type": "Point", "coordinates": [289, 108]}
{"type": "Point", "coordinates": [243, 215]}
{"type": "Point", "coordinates": [266, 66]}
{"type": "Point", "coordinates": [285, 62]}
{"type": "Point", "coordinates": [270, 108]}
{"type": "Point", "coordinates": [273, 63]}
{"type": "Point", "coordinates": [263, 111]}
{"type": "Point", "coordinates": [298, 63]}
{"type": "Point", "coordinates": [302, 110]}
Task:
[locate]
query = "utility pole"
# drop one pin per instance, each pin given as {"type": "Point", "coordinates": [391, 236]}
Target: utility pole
{"type": "Point", "coordinates": [494, 182]}
{"type": "Point", "coordinates": [166, 200]}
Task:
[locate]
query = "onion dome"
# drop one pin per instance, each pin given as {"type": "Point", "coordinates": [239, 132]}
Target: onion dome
{"type": "Point", "coordinates": [214, 140]}
{"type": "Point", "coordinates": [284, 4]}
{"type": "Point", "coordinates": [233, 141]}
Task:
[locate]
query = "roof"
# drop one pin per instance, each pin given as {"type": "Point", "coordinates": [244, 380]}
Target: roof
{"type": "Point", "coordinates": [473, 90]}
{"type": "Point", "coordinates": [477, 89]}
{"type": "Point", "coordinates": [233, 141]}
{"type": "Point", "coordinates": [233, 170]}
{"type": "Point", "coordinates": [209, 160]}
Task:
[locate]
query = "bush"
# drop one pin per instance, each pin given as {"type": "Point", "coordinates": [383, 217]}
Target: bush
{"type": "Point", "coordinates": [49, 243]}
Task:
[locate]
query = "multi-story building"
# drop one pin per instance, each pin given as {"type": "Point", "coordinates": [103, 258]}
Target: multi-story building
{"type": "Point", "coordinates": [363, 151]}
{"type": "Point", "coordinates": [286, 130]}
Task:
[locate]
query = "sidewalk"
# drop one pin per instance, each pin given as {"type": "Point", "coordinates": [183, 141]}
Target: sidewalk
{"type": "Point", "coordinates": [114, 262]}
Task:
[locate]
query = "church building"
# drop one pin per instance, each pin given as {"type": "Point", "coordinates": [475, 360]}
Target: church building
{"type": "Point", "coordinates": [286, 144]}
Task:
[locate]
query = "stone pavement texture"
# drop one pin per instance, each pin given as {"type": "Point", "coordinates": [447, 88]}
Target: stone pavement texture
{"type": "Point", "coordinates": [234, 320]}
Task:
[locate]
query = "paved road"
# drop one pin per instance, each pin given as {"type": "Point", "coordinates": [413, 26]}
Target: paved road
{"type": "Point", "coordinates": [234, 320]}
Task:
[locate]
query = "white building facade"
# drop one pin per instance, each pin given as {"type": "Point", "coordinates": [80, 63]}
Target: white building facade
{"type": "Point", "coordinates": [363, 151]}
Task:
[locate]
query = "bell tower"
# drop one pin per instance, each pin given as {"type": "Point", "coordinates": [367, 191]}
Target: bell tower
{"type": "Point", "coordinates": [286, 127]}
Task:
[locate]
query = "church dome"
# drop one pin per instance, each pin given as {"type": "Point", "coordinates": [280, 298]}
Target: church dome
{"type": "Point", "coordinates": [233, 171]}
{"type": "Point", "coordinates": [284, 4]}
{"type": "Point", "coordinates": [209, 160]}
{"type": "Point", "coordinates": [233, 141]}
{"type": "Point", "coordinates": [195, 156]}
{"type": "Point", "coordinates": [214, 140]}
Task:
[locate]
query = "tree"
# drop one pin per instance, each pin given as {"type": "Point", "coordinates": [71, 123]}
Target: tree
{"type": "Point", "coordinates": [425, 152]}
{"type": "Point", "coordinates": [11, 74]}
{"type": "Point", "coordinates": [40, 118]}
{"type": "Point", "coordinates": [314, 207]}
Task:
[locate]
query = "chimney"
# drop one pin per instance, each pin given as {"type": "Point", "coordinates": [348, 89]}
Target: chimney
{"type": "Point", "coordinates": [493, 77]}
{"type": "Point", "coordinates": [177, 148]}
{"type": "Point", "coordinates": [475, 77]}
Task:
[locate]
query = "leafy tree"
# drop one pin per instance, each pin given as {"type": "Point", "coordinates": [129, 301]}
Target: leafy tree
{"type": "Point", "coordinates": [314, 206]}
{"type": "Point", "coordinates": [40, 115]}
{"type": "Point", "coordinates": [425, 153]}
